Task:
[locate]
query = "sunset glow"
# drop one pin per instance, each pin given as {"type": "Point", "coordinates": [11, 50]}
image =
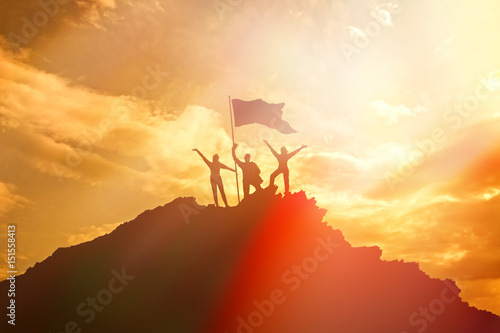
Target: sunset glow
{"type": "Point", "coordinates": [398, 102]}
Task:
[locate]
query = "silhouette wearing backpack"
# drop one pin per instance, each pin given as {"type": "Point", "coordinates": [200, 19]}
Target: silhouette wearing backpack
{"type": "Point", "coordinates": [251, 172]}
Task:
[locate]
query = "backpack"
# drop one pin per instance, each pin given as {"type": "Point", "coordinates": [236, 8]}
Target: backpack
{"type": "Point", "coordinates": [255, 168]}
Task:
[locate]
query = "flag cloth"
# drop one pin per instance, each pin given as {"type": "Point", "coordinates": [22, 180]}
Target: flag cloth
{"type": "Point", "coordinates": [260, 112]}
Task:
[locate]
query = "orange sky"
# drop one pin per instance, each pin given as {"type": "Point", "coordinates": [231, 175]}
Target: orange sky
{"type": "Point", "coordinates": [102, 101]}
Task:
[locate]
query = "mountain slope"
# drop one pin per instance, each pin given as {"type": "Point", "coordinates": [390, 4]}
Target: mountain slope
{"type": "Point", "coordinates": [267, 265]}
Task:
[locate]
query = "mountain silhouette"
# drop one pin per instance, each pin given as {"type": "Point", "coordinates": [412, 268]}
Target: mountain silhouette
{"type": "Point", "coordinates": [269, 264]}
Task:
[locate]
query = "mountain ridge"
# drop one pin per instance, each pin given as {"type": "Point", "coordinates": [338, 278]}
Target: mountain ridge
{"type": "Point", "coordinates": [269, 264]}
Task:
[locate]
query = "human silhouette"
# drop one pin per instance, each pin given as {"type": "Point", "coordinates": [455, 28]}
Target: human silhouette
{"type": "Point", "coordinates": [283, 164]}
{"type": "Point", "coordinates": [215, 178]}
{"type": "Point", "coordinates": [251, 172]}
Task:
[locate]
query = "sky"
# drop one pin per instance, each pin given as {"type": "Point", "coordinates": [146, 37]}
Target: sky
{"type": "Point", "coordinates": [102, 102]}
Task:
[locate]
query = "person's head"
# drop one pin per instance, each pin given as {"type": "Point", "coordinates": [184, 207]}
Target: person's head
{"type": "Point", "coordinates": [215, 158]}
{"type": "Point", "coordinates": [283, 150]}
{"type": "Point", "coordinates": [247, 158]}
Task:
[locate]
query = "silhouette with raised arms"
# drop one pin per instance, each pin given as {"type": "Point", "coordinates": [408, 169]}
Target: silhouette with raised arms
{"type": "Point", "coordinates": [251, 172]}
{"type": "Point", "coordinates": [282, 164]}
{"type": "Point", "coordinates": [215, 178]}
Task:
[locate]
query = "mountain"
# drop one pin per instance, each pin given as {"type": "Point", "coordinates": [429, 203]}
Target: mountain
{"type": "Point", "coordinates": [269, 264]}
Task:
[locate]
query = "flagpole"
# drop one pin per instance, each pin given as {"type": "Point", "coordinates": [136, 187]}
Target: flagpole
{"type": "Point", "coordinates": [232, 134]}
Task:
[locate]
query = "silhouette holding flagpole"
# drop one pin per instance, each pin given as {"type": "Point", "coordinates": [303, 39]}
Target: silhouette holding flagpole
{"type": "Point", "coordinates": [256, 112]}
{"type": "Point", "coordinates": [282, 164]}
{"type": "Point", "coordinates": [232, 134]}
{"type": "Point", "coordinates": [251, 172]}
{"type": "Point", "coordinates": [215, 179]}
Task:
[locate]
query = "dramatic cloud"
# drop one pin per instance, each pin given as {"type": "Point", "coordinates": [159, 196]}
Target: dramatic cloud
{"type": "Point", "coordinates": [393, 114]}
{"type": "Point", "coordinates": [86, 136]}
{"type": "Point", "coordinates": [9, 199]}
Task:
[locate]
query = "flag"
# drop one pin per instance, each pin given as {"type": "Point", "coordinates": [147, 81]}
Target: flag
{"type": "Point", "coordinates": [260, 112]}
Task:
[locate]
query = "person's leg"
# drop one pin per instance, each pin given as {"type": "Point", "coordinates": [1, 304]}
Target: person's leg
{"type": "Point", "coordinates": [273, 176]}
{"type": "Point", "coordinates": [257, 183]}
{"type": "Point", "coordinates": [222, 193]}
{"type": "Point", "coordinates": [256, 186]}
{"type": "Point", "coordinates": [286, 180]}
{"type": "Point", "coordinates": [214, 191]}
{"type": "Point", "coordinates": [246, 189]}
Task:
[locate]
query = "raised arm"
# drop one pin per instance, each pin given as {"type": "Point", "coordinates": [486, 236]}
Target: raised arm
{"type": "Point", "coordinates": [234, 155]}
{"type": "Point", "coordinates": [223, 166]}
{"type": "Point", "coordinates": [272, 149]}
{"type": "Point", "coordinates": [203, 157]}
{"type": "Point", "coordinates": [293, 153]}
